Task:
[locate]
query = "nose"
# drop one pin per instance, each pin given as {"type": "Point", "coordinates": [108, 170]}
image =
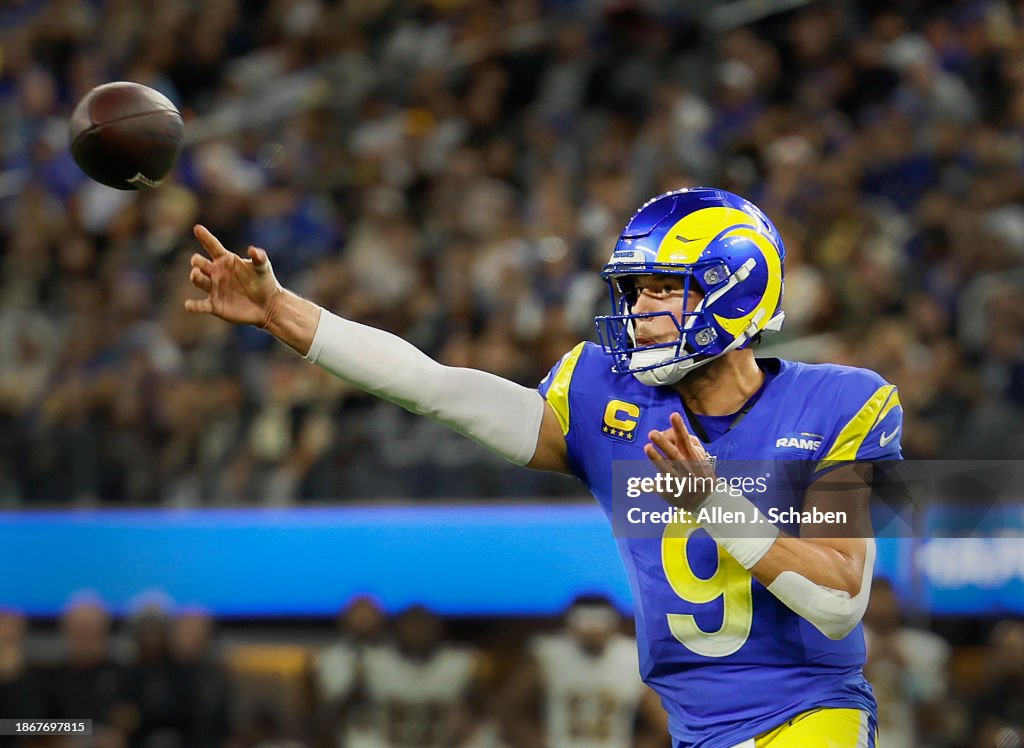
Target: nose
{"type": "Point", "coordinates": [644, 303]}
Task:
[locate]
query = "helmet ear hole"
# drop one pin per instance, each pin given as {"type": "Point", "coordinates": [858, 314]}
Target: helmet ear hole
{"type": "Point", "coordinates": [709, 277]}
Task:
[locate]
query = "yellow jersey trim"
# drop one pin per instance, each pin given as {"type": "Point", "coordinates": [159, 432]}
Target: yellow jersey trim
{"type": "Point", "coordinates": [850, 439]}
{"type": "Point", "coordinates": [558, 392]}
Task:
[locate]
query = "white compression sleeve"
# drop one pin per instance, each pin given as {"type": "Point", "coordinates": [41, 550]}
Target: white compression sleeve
{"type": "Point", "coordinates": [501, 415]}
{"type": "Point", "coordinates": [833, 612]}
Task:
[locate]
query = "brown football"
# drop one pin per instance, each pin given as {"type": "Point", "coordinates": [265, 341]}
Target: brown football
{"type": "Point", "coordinates": [126, 135]}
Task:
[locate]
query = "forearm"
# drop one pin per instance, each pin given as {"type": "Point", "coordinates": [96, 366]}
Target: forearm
{"type": "Point", "coordinates": [293, 320]}
{"type": "Point", "coordinates": [834, 610]}
{"type": "Point", "coordinates": [496, 413]}
{"type": "Point", "coordinates": [836, 564]}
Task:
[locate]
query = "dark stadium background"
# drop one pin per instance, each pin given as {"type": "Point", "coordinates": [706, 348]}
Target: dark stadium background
{"type": "Point", "coordinates": [456, 172]}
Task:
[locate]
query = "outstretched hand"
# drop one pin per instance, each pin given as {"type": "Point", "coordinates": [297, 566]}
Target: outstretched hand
{"type": "Point", "coordinates": [677, 452]}
{"type": "Point", "coordinates": [237, 290]}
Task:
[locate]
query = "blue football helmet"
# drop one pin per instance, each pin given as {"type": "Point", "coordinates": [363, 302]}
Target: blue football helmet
{"type": "Point", "coordinates": [717, 241]}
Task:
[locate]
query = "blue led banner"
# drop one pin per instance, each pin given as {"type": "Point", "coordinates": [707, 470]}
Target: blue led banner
{"type": "Point", "coordinates": [527, 559]}
{"type": "Point", "coordinates": [465, 560]}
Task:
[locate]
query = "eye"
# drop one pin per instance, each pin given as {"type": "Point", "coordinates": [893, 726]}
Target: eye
{"type": "Point", "coordinates": [666, 289]}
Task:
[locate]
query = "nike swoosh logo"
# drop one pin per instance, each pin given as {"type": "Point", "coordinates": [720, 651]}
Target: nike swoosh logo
{"type": "Point", "coordinates": [884, 439]}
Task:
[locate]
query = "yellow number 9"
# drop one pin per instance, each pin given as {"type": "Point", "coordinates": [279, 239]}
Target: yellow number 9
{"type": "Point", "coordinates": [730, 581]}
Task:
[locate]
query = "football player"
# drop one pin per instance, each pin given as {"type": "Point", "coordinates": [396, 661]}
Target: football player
{"type": "Point", "coordinates": [584, 679]}
{"type": "Point", "coordinates": [416, 692]}
{"type": "Point", "coordinates": [751, 638]}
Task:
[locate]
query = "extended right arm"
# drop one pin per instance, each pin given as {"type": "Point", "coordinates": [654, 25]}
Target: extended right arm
{"type": "Point", "coordinates": [507, 418]}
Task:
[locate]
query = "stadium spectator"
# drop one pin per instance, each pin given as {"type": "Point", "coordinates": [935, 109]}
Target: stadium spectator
{"type": "Point", "coordinates": [361, 625]}
{"type": "Point", "coordinates": [420, 690]}
{"type": "Point", "coordinates": [207, 683]}
{"type": "Point", "coordinates": [155, 703]}
{"type": "Point", "coordinates": [578, 688]}
{"type": "Point", "coordinates": [20, 693]}
{"type": "Point", "coordinates": [453, 173]}
{"type": "Point", "coordinates": [999, 708]}
{"type": "Point", "coordinates": [86, 681]}
{"type": "Point", "coordinates": [908, 671]}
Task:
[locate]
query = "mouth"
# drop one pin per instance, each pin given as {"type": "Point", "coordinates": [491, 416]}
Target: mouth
{"type": "Point", "coordinates": [642, 341]}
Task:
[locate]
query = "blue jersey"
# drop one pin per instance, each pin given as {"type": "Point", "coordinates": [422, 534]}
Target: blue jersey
{"type": "Point", "coordinates": [727, 658]}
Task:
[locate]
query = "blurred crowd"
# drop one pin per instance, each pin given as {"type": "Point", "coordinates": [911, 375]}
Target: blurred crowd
{"type": "Point", "coordinates": [170, 678]}
{"type": "Point", "coordinates": [457, 171]}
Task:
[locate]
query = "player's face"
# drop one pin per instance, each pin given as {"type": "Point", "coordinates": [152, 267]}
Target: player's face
{"type": "Point", "coordinates": [418, 632]}
{"type": "Point", "coordinates": [592, 639]}
{"type": "Point", "coordinates": [592, 627]}
{"type": "Point", "coordinates": [191, 634]}
{"type": "Point", "coordinates": [151, 638]}
{"type": "Point", "coordinates": [661, 293]}
{"type": "Point", "coordinates": [362, 619]}
{"type": "Point", "coordinates": [86, 628]}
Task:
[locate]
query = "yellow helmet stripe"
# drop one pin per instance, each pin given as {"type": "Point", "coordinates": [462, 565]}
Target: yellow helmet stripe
{"type": "Point", "coordinates": [686, 241]}
{"type": "Point", "coordinates": [773, 287]}
{"type": "Point", "coordinates": [690, 235]}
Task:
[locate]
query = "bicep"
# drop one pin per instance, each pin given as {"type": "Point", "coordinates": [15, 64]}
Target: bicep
{"type": "Point", "coordinates": [843, 492]}
{"type": "Point", "coordinates": [552, 452]}
{"type": "Point", "coordinates": [832, 554]}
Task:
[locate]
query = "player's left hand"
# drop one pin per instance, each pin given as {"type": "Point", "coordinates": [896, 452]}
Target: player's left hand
{"type": "Point", "coordinates": [677, 452]}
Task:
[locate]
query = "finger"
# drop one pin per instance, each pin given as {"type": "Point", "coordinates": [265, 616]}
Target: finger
{"type": "Point", "coordinates": [697, 447]}
{"type": "Point", "coordinates": [198, 261]}
{"type": "Point", "coordinates": [673, 457]}
{"type": "Point", "coordinates": [683, 436]}
{"type": "Point", "coordinates": [260, 260]}
{"type": "Point", "coordinates": [210, 243]}
{"type": "Point", "coordinates": [199, 306]}
{"type": "Point", "coordinates": [665, 466]}
{"type": "Point", "coordinates": [200, 280]}
{"type": "Point", "coordinates": [657, 459]}
{"type": "Point", "coordinates": [665, 445]}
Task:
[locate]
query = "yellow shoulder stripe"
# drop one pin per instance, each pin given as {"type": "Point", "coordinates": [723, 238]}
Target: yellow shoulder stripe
{"type": "Point", "coordinates": [558, 392]}
{"type": "Point", "coordinates": [847, 444]}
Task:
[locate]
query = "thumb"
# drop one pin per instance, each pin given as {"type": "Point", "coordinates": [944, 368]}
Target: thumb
{"type": "Point", "coordinates": [259, 258]}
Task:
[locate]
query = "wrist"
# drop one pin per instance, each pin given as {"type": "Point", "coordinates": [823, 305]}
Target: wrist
{"type": "Point", "coordinates": [271, 309]}
{"type": "Point", "coordinates": [292, 319]}
{"type": "Point", "coordinates": [738, 526]}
